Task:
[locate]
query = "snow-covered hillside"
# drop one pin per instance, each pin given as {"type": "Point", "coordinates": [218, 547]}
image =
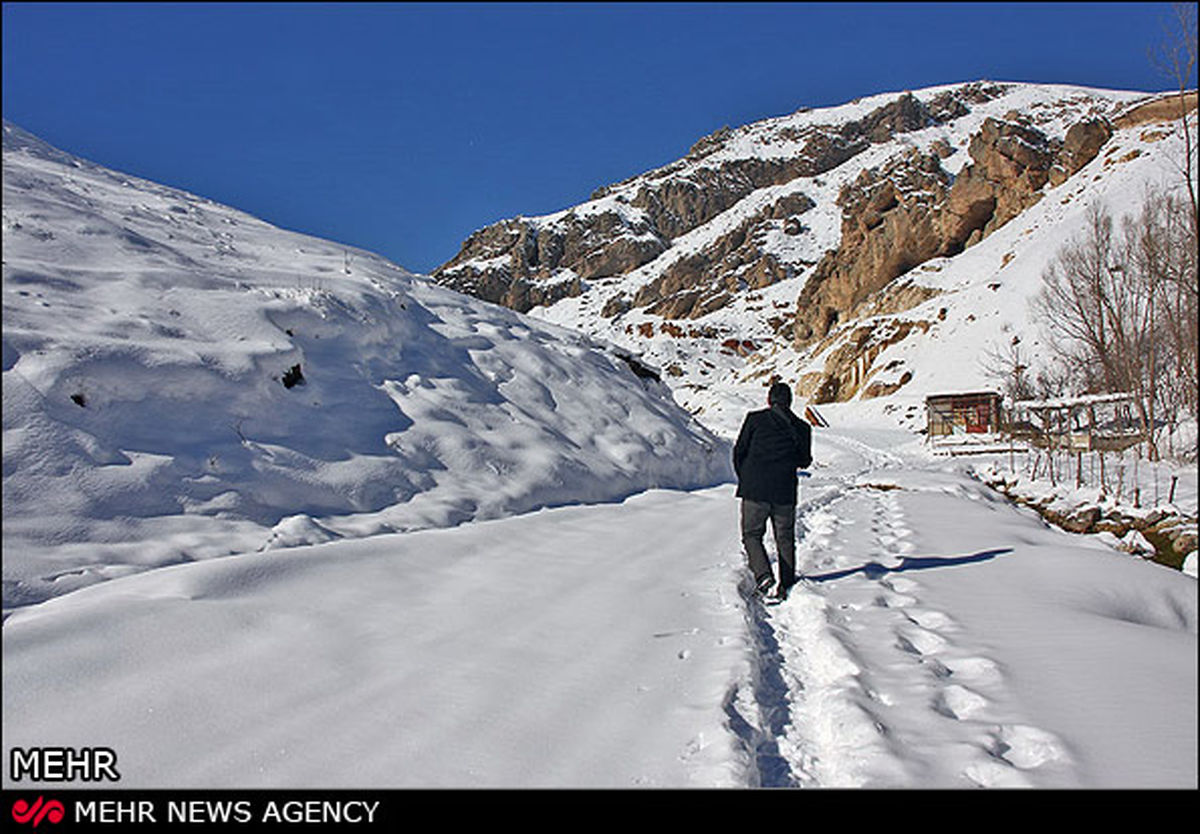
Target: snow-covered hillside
{"type": "Point", "coordinates": [182, 381]}
{"type": "Point", "coordinates": [965, 304]}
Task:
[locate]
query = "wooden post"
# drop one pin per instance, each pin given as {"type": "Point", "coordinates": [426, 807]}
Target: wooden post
{"type": "Point", "coordinates": [1137, 477]}
{"type": "Point", "coordinates": [1092, 440]}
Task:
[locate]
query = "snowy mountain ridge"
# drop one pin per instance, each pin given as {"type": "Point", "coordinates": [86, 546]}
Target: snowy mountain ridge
{"type": "Point", "coordinates": [175, 366]}
{"type": "Point", "coordinates": [818, 246]}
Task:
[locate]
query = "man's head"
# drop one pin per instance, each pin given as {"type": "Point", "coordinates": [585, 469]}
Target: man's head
{"type": "Point", "coordinates": [780, 395]}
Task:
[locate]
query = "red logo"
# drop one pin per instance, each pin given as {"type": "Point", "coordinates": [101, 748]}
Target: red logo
{"type": "Point", "coordinates": [23, 812]}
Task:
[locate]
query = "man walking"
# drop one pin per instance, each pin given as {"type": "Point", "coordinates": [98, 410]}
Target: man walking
{"type": "Point", "coordinates": [771, 446]}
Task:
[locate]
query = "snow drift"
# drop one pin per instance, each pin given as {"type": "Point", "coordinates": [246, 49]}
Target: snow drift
{"type": "Point", "coordinates": [182, 380]}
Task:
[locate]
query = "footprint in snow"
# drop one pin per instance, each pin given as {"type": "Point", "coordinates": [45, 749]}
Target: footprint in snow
{"type": "Point", "coordinates": [893, 546]}
{"type": "Point", "coordinates": [899, 584]}
{"type": "Point", "coordinates": [919, 641]}
{"type": "Point", "coordinates": [694, 746]}
{"type": "Point", "coordinates": [1026, 747]}
{"type": "Point", "coordinates": [959, 703]}
{"type": "Point", "coordinates": [894, 601]}
{"type": "Point", "coordinates": [990, 773]}
{"type": "Point", "coordinates": [977, 670]}
{"type": "Point", "coordinates": [933, 620]}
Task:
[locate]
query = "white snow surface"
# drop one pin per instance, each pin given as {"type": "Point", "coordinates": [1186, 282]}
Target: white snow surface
{"type": "Point", "coordinates": [943, 639]}
{"type": "Point", "coordinates": [474, 550]}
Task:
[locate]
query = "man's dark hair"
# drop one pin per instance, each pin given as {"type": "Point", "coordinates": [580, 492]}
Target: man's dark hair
{"type": "Point", "coordinates": [780, 394]}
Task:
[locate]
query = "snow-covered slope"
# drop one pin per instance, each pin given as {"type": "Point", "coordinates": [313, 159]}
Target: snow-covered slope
{"type": "Point", "coordinates": [182, 380]}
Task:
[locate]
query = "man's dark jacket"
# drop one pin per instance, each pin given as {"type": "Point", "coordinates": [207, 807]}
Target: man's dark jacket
{"type": "Point", "coordinates": [771, 446]}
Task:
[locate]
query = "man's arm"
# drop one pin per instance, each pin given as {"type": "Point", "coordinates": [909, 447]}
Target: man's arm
{"type": "Point", "coordinates": [742, 446]}
{"type": "Point", "coordinates": [804, 452]}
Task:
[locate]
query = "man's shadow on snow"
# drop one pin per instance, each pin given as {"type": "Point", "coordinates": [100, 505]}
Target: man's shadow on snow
{"type": "Point", "coordinates": [874, 570]}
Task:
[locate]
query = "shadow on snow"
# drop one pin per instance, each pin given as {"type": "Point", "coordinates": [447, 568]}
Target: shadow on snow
{"type": "Point", "coordinates": [874, 570]}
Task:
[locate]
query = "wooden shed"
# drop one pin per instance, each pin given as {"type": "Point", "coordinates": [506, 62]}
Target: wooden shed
{"type": "Point", "coordinates": [960, 413]}
{"type": "Point", "coordinates": [1093, 422]}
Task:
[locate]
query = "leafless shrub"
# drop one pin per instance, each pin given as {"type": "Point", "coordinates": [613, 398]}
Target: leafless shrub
{"type": "Point", "coordinates": [1119, 308]}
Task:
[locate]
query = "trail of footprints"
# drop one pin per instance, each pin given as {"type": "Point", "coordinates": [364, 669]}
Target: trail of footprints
{"type": "Point", "coordinates": [923, 661]}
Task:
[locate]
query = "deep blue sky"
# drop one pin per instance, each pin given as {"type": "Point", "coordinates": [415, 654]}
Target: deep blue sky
{"type": "Point", "coordinates": [402, 128]}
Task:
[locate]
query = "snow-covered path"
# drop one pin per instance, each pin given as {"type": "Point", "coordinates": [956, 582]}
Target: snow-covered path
{"type": "Point", "coordinates": [943, 639]}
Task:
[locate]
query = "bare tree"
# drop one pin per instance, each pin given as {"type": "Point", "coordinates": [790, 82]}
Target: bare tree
{"type": "Point", "coordinates": [1119, 310]}
{"type": "Point", "coordinates": [1075, 305]}
{"type": "Point", "coordinates": [1052, 382]}
{"type": "Point", "coordinates": [1162, 255]}
{"type": "Point", "coordinates": [1175, 57]}
{"type": "Point", "coordinates": [1137, 306]}
{"type": "Point", "coordinates": [1009, 366]}
{"type": "Point", "coordinates": [1119, 303]}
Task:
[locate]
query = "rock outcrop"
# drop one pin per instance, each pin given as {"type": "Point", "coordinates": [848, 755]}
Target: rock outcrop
{"type": "Point", "coordinates": [1162, 108]}
{"type": "Point", "coordinates": [913, 210]}
{"type": "Point", "coordinates": [523, 264]}
{"type": "Point", "coordinates": [694, 285]}
{"type": "Point", "coordinates": [848, 368]}
{"type": "Point", "coordinates": [892, 220]}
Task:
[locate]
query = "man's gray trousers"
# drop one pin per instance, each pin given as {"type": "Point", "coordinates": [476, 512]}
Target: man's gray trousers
{"type": "Point", "coordinates": [755, 515]}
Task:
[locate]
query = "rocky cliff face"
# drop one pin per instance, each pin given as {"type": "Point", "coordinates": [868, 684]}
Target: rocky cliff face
{"type": "Point", "coordinates": [530, 262]}
{"type": "Point", "coordinates": [912, 209]}
{"type": "Point", "coordinates": [792, 233]}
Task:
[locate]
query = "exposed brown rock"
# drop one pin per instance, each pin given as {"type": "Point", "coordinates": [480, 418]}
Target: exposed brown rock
{"type": "Point", "coordinates": [883, 389]}
{"type": "Point", "coordinates": [891, 222]}
{"type": "Point", "coordinates": [1163, 109]}
{"type": "Point", "coordinates": [505, 262]}
{"type": "Point", "coordinates": [697, 284]}
{"type": "Point", "coordinates": [903, 115]}
{"type": "Point", "coordinates": [520, 263]}
{"type": "Point", "coordinates": [909, 212]}
{"type": "Point", "coordinates": [677, 205]}
{"type": "Point", "coordinates": [1010, 165]}
{"type": "Point", "coordinates": [849, 366]}
{"type": "Point", "coordinates": [742, 347]}
{"type": "Point", "coordinates": [1171, 534]}
{"type": "Point", "coordinates": [1082, 143]}
{"type": "Point", "coordinates": [894, 218]}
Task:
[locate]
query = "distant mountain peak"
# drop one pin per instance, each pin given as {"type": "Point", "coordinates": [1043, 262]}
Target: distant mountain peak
{"type": "Point", "coordinates": [785, 232]}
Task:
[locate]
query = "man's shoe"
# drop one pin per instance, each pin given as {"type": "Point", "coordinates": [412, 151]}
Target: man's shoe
{"type": "Point", "coordinates": [764, 586]}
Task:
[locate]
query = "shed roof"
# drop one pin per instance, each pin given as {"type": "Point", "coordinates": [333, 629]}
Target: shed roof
{"type": "Point", "coordinates": [953, 394]}
{"type": "Point", "coordinates": [1073, 402]}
